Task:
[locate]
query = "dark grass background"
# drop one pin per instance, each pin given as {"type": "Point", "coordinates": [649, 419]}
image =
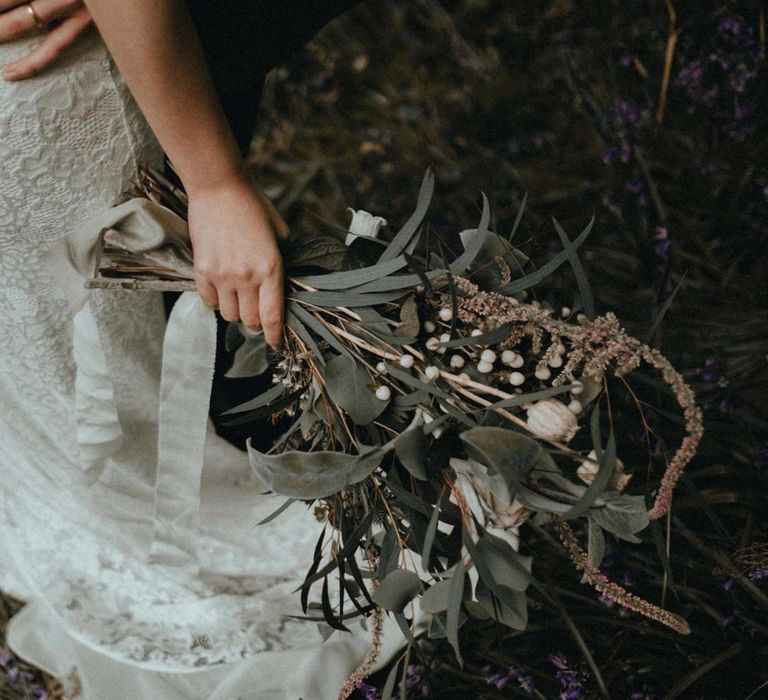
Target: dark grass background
{"type": "Point", "coordinates": [565, 101]}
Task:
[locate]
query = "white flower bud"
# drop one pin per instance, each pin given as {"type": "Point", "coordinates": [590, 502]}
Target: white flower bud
{"type": "Point", "coordinates": [445, 337]}
{"type": "Point", "coordinates": [381, 367]}
{"type": "Point", "coordinates": [516, 378]}
{"type": "Point", "coordinates": [550, 419]}
{"type": "Point", "coordinates": [457, 361]}
{"type": "Point", "coordinates": [488, 356]}
{"type": "Point", "coordinates": [577, 388]}
{"type": "Point", "coordinates": [475, 332]}
{"type": "Point", "coordinates": [429, 326]}
{"type": "Point", "coordinates": [484, 367]}
{"type": "Point", "coordinates": [560, 349]}
{"type": "Point", "coordinates": [406, 361]}
{"type": "Point", "coordinates": [542, 373]}
{"type": "Point", "coordinates": [518, 362]}
{"type": "Point", "coordinates": [464, 378]}
{"type": "Point", "coordinates": [555, 362]}
{"type": "Point", "coordinates": [445, 314]}
{"type": "Point", "coordinates": [383, 393]}
{"type": "Point", "coordinates": [431, 372]}
{"type": "Point", "coordinates": [565, 311]}
{"type": "Point", "coordinates": [433, 343]}
{"type": "Point", "coordinates": [575, 407]}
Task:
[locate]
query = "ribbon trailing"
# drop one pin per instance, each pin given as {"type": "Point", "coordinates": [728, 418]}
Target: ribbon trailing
{"type": "Point", "coordinates": [189, 349]}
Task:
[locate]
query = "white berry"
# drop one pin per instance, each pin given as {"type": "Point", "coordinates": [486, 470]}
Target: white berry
{"type": "Point", "coordinates": [429, 326]}
{"type": "Point", "coordinates": [484, 367]}
{"type": "Point", "coordinates": [543, 373]}
{"type": "Point", "coordinates": [381, 367]}
{"type": "Point", "coordinates": [433, 343]}
{"type": "Point", "coordinates": [464, 378]}
{"type": "Point", "coordinates": [431, 372]}
{"type": "Point", "coordinates": [488, 356]}
{"type": "Point", "coordinates": [445, 314]}
{"type": "Point", "coordinates": [406, 361]}
{"type": "Point", "coordinates": [518, 362]}
{"type": "Point", "coordinates": [508, 357]}
{"type": "Point", "coordinates": [577, 388]}
{"type": "Point", "coordinates": [383, 393]}
{"type": "Point", "coordinates": [475, 332]}
{"type": "Point", "coordinates": [575, 407]}
{"type": "Point", "coordinates": [516, 378]}
{"type": "Point", "coordinates": [457, 361]}
{"type": "Point", "coordinates": [555, 362]}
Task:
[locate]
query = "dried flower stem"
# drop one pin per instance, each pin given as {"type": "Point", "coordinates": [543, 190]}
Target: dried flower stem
{"type": "Point", "coordinates": [377, 634]}
{"type": "Point", "coordinates": [595, 345]}
{"type": "Point", "coordinates": [613, 590]}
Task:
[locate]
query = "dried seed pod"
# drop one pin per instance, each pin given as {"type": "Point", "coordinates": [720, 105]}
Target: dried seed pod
{"type": "Point", "coordinates": [551, 419]}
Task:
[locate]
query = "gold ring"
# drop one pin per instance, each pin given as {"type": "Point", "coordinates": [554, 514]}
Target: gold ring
{"type": "Point", "coordinates": [35, 17]}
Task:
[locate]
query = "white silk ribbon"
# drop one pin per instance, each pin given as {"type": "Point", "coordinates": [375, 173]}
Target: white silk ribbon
{"type": "Point", "coordinates": [189, 350]}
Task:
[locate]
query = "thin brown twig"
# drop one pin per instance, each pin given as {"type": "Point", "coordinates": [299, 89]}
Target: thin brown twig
{"type": "Point", "coordinates": [669, 56]}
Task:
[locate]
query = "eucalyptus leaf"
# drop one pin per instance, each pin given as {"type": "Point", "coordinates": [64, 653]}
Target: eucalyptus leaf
{"type": "Point", "coordinates": [475, 241]}
{"type": "Point", "coordinates": [546, 270]}
{"type": "Point", "coordinates": [605, 471]}
{"type": "Point", "coordinates": [512, 611]}
{"type": "Point", "coordinates": [403, 282]}
{"type": "Point", "coordinates": [453, 611]}
{"type": "Point", "coordinates": [406, 234]}
{"type": "Point", "coordinates": [314, 250]}
{"type": "Point", "coordinates": [348, 298]}
{"type": "Point", "coordinates": [354, 278]}
{"type": "Point", "coordinates": [398, 589]}
{"type": "Point", "coordinates": [623, 515]}
{"type": "Point", "coordinates": [263, 399]}
{"type": "Point", "coordinates": [495, 261]}
{"type": "Point", "coordinates": [595, 543]}
{"type": "Point", "coordinates": [587, 298]}
{"type": "Point", "coordinates": [310, 475]}
{"type": "Point", "coordinates": [348, 385]}
{"type": "Point", "coordinates": [411, 450]}
{"type": "Point", "coordinates": [435, 598]}
{"type": "Point", "coordinates": [508, 456]}
{"type": "Point", "coordinates": [507, 567]}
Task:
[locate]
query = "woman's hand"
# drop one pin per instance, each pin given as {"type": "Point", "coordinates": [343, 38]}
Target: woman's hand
{"type": "Point", "coordinates": [70, 19]}
{"type": "Point", "coordinates": [235, 231]}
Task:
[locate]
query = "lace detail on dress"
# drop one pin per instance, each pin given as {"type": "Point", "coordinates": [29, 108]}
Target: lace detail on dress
{"type": "Point", "coordinates": [71, 140]}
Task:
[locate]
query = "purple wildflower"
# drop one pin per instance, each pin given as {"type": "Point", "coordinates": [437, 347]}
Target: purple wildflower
{"type": "Point", "coordinates": [6, 657]}
{"type": "Point", "coordinates": [368, 691]}
{"type": "Point", "coordinates": [759, 574]}
{"type": "Point", "coordinates": [609, 155]}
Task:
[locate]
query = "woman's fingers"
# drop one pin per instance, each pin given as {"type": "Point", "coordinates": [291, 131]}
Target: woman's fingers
{"type": "Point", "coordinates": [250, 314]}
{"type": "Point", "coordinates": [271, 307]}
{"type": "Point", "coordinates": [208, 294]}
{"type": "Point", "coordinates": [50, 48]}
{"type": "Point", "coordinates": [229, 307]}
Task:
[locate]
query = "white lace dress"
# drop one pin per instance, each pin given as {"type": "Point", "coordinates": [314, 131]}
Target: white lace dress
{"type": "Point", "coordinates": [76, 549]}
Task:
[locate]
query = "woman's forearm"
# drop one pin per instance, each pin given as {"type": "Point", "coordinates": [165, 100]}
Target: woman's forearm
{"type": "Point", "coordinates": [156, 47]}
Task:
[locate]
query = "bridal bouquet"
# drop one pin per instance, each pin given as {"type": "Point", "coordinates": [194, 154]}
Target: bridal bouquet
{"type": "Point", "coordinates": [427, 410]}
